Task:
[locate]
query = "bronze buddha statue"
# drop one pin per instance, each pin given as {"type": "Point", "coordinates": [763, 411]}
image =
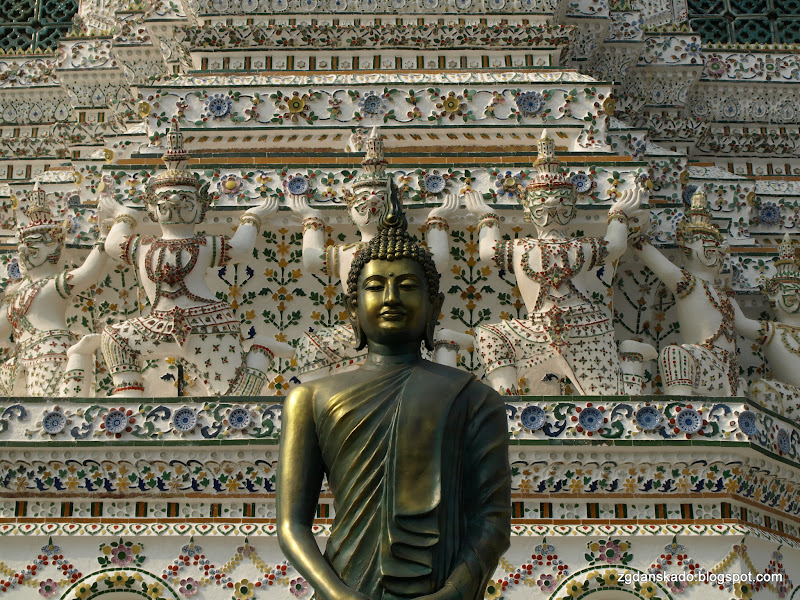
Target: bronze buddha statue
{"type": "Point", "coordinates": [415, 453]}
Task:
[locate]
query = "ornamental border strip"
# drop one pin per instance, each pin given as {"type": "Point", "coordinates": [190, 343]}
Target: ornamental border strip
{"type": "Point", "coordinates": [550, 75]}
{"type": "Point", "coordinates": [210, 8]}
{"type": "Point", "coordinates": [293, 106]}
{"type": "Point", "coordinates": [238, 188]}
{"type": "Point", "coordinates": [622, 419]}
{"type": "Point", "coordinates": [408, 36]}
{"type": "Point", "coordinates": [226, 530]}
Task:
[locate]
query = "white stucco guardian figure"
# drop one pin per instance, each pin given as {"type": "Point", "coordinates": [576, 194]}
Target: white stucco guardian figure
{"type": "Point", "coordinates": [565, 284]}
{"type": "Point", "coordinates": [331, 349]}
{"type": "Point", "coordinates": [185, 320]}
{"type": "Point", "coordinates": [705, 363]}
{"type": "Point", "coordinates": [779, 339]}
{"type": "Point", "coordinates": [34, 310]}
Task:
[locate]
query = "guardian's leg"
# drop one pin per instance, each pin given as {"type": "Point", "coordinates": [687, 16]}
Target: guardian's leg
{"type": "Point", "coordinates": [122, 360]}
{"type": "Point", "coordinates": [678, 370]}
{"type": "Point", "coordinates": [80, 363]}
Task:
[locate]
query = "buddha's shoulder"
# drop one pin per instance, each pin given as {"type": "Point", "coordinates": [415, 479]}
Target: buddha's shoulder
{"type": "Point", "coordinates": [470, 386]}
{"type": "Point", "coordinates": [326, 387]}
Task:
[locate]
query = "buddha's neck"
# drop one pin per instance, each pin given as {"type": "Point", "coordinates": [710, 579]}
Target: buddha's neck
{"type": "Point", "coordinates": [380, 356]}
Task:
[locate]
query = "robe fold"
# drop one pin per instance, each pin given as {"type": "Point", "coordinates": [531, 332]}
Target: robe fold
{"type": "Point", "coordinates": [417, 460]}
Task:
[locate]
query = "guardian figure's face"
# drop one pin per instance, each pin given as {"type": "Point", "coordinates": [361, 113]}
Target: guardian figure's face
{"type": "Point", "coordinates": [39, 248]}
{"type": "Point", "coordinates": [176, 206]}
{"type": "Point", "coordinates": [549, 208]}
{"type": "Point", "coordinates": [369, 206]}
{"type": "Point", "coordinates": [705, 251]}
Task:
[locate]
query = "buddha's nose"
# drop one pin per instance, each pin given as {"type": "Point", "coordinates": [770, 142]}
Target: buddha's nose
{"type": "Point", "coordinates": [390, 295]}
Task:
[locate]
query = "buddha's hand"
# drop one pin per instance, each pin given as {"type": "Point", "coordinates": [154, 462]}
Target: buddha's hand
{"type": "Point", "coordinates": [447, 209]}
{"type": "Point", "coordinates": [448, 592]}
{"type": "Point", "coordinates": [298, 204]}
{"type": "Point", "coordinates": [264, 210]}
{"type": "Point", "coordinates": [351, 594]}
{"type": "Point", "coordinates": [476, 204]}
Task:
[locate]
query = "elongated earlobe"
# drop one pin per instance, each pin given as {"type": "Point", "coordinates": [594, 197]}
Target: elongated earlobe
{"type": "Point", "coordinates": [431, 327]}
{"type": "Point", "coordinates": [359, 337]}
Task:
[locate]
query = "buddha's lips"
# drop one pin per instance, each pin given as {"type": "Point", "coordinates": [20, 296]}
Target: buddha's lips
{"type": "Point", "coordinates": [392, 314]}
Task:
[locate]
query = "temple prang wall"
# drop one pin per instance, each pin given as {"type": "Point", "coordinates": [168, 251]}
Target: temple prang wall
{"type": "Point", "coordinates": [171, 495]}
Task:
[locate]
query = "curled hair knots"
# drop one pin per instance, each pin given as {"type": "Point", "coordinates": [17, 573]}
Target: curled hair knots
{"type": "Point", "coordinates": [393, 243]}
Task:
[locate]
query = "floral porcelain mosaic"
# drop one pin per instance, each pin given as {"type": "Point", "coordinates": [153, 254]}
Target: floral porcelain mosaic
{"type": "Point", "coordinates": [606, 188]}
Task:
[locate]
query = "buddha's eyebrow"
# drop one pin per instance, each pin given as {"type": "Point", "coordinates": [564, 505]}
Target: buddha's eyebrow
{"type": "Point", "coordinates": [377, 277]}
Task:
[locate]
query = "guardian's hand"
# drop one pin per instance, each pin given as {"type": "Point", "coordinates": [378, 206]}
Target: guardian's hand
{"type": "Point", "coordinates": [447, 209]}
{"type": "Point", "coordinates": [299, 205]}
{"type": "Point", "coordinates": [264, 210]}
{"type": "Point", "coordinates": [476, 204]}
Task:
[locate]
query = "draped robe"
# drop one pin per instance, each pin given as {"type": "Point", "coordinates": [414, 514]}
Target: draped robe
{"type": "Point", "coordinates": [417, 460]}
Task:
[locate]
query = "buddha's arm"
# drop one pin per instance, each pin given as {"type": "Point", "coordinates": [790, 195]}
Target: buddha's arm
{"type": "Point", "coordinates": [745, 326]}
{"type": "Point", "coordinates": [667, 272]}
{"type": "Point", "coordinates": [489, 503]}
{"type": "Point", "coordinates": [300, 471]}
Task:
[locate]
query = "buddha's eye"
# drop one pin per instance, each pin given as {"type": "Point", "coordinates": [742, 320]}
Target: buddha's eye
{"type": "Point", "coordinates": [373, 286]}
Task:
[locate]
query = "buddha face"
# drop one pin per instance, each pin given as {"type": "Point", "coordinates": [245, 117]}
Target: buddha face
{"type": "Point", "coordinates": [786, 297]}
{"type": "Point", "coordinates": [39, 248]}
{"type": "Point", "coordinates": [176, 206]}
{"type": "Point", "coordinates": [550, 208]}
{"type": "Point", "coordinates": [369, 206]}
{"type": "Point", "coordinates": [394, 305]}
{"type": "Point", "coordinates": [706, 252]}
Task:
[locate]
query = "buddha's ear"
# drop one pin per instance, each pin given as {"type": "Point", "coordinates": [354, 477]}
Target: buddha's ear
{"type": "Point", "coordinates": [360, 340]}
{"type": "Point", "coordinates": [436, 308]}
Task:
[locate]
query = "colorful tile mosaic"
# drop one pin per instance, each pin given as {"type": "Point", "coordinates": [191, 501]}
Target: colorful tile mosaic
{"type": "Point", "coordinates": [270, 92]}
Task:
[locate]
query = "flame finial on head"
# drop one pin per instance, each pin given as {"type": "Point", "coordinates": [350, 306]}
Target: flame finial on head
{"type": "Point", "coordinates": [374, 167]}
{"type": "Point", "coordinates": [548, 166]}
{"type": "Point", "coordinates": [175, 158]}
{"type": "Point", "coordinates": [697, 221]}
{"type": "Point", "coordinates": [787, 267]}
{"type": "Point", "coordinates": [40, 217]}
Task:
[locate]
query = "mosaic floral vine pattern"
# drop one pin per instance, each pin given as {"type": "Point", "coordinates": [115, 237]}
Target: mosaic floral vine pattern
{"type": "Point", "coordinates": [545, 571]}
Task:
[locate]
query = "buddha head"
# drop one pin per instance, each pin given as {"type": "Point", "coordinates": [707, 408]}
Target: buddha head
{"type": "Point", "coordinates": [393, 294]}
{"type": "Point", "coordinates": [783, 288]}
{"type": "Point", "coordinates": [176, 196]}
{"type": "Point", "coordinates": [548, 202]}
{"type": "Point", "coordinates": [41, 240]}
{"type": "Point", "coordinates": [700, 239]}
{"type": "Point", "coordinates": [370, 194]}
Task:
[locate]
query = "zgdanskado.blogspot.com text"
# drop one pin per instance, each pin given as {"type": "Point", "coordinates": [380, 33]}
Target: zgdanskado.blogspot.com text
{"type": "Point", "coordinates": [706, 577]}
